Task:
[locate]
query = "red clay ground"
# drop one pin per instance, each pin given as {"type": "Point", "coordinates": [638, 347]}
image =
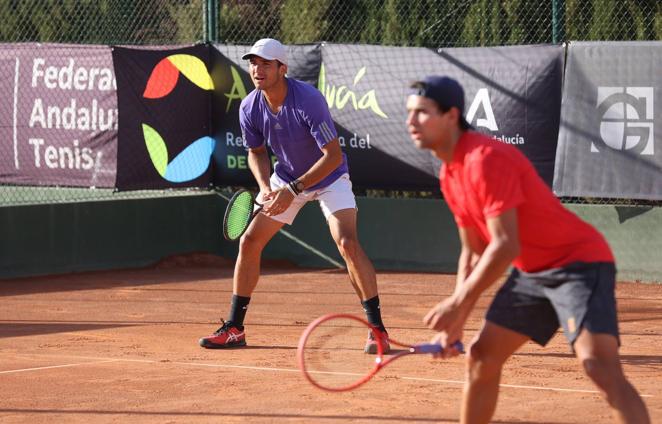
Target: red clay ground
{"type": "Point", "coordinates": [122, 346]}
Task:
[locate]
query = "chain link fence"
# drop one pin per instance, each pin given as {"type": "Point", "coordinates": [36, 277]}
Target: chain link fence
{"type": "Point", "coordinates": [420, 23]}
{"type": "Point", "coordinates": [136, 22]}
{"type": "Point", "coordinates": [97, 22]}
{"type": "Point", "coordinates": [434, 23]}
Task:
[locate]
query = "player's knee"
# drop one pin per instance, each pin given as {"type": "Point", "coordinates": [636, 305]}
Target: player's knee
{"type": "Point", "coordinates": [348, 246]}
{"type": "Point", "coordinates": [606, 375]}
{"type": "Point", "coordinates": [481, 364]}
{"type": "Point", "coordinates": [250, 244]}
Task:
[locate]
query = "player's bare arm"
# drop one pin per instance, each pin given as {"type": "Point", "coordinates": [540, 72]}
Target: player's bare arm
{"type": "Point", "coordinates": [258, 163]}
{"type": "Point", "coordinates": [330, 160]}
{"type": "Point", "coordinates": [503, 248]}
{"type": "Point", "coordinates": [450, 314]}
{"type": "Point", "coordinates": [472, 248]}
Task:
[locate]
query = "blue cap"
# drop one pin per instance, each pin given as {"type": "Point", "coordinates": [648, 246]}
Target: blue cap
{"type": "Point", "coordinates": [446, 91]}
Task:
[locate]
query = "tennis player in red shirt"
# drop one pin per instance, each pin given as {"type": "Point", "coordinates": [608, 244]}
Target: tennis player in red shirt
{"type": "Point", "coordinates": [563, 269]}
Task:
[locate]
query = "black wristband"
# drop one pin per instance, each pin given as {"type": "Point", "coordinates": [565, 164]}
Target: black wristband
{"type": "Point", "coordinates": [293, 187]}
{"type": "Point", "coordinates": [291, 190]}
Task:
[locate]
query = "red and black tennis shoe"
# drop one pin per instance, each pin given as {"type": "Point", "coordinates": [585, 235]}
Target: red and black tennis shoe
{"type": "Point", "coordinates": [229, 335]}
{"type": "Point", "coordinates": [371, 344]}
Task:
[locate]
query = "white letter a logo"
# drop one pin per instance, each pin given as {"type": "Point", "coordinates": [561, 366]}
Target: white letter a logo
{"type": "Point", "coordinates": [483, 98]}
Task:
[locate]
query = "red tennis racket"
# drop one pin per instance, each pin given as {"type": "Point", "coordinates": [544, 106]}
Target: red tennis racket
{"type": "Point", "coordinates": [331, 356]}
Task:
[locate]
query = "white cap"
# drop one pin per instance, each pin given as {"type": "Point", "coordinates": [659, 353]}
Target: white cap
{"type": "Point", "coordinates": [269, 49]}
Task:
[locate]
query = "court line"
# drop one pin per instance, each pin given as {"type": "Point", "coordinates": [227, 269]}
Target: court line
{"type": "Point", "coordinates": [512, 386]}
{"type": "Point", "coordinates": [58, 366]}
{"type": "Point", "coordinates": [430, 380]}
{"type": "Point", "coordinates": [296, 370]}
{"type": "Point", "coordinates": [244, 367]}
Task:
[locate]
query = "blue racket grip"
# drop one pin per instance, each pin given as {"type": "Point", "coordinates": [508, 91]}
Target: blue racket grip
{"type": "Point", "coordinates": [437, 348]}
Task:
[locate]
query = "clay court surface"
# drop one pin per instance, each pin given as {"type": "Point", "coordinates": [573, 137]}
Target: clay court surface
{"type": "Point", "coordinates": [121, 346]}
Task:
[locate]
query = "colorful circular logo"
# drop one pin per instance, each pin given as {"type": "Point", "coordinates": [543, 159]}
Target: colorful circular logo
{"type": "Point", "coordinates": [194, 160]}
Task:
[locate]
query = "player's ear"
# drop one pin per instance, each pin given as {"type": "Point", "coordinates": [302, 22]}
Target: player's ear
{"type": "Point", "coordinates": [282, 69]}
{"type": "Point", "coordinates": [455, 115]}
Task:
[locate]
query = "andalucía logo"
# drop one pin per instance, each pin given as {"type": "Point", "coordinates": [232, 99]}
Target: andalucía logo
{"type": "Point", "coordinates": [339, 97]}
{"type": "Point", "coordinates": [194, 160]}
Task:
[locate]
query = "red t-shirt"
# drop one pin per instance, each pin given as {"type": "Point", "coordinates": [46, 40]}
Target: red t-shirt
{"type": "Point", "coordinates": [486, 178]}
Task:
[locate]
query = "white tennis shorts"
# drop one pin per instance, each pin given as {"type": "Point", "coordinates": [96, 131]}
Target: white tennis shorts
{"type": "Point", "coordinates": [336, 196]}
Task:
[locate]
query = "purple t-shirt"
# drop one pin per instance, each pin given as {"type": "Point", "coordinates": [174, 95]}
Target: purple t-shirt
{"type": "Point", "coordinates": [296, 133]}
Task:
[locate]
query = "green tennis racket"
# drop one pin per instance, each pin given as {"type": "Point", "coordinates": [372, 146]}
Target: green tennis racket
{"type": "Point", "coordinates": [239, 213]}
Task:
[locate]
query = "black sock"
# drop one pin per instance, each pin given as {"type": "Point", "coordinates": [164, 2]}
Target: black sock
{"type": "Point", "coordinates": [238, 309]}
{"type": "Point", "coordinates": [373, 312]}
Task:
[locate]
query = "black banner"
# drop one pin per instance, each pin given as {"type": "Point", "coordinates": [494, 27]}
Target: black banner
{"type": "Point", "coordinates": [366, 94]}
{"type": "Point", "coordinates": [164, 99]}
{"type": "Point", "coordinates": [512, 94]}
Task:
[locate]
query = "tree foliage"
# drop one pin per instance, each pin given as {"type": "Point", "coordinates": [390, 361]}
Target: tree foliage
{"type": "Point", "coordinates": [426, 23]}
{"type": "Point", "coordinates": [101, 21]}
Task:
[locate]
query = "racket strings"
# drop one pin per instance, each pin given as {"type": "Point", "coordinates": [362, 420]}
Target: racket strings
{"type": "Point", "coordinates": [239, 215]}
{"type": "Point", "coordinates": [334, 354]}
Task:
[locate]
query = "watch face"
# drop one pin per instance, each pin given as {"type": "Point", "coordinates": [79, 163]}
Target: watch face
{"type": "Point", "coordinates": [299, 186]}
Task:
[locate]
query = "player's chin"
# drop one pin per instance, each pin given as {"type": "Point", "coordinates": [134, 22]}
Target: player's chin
{"type": "Point", "coordinates": [416, 139]}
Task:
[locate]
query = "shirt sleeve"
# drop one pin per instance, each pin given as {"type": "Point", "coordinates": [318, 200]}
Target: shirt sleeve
{"type": "Point", "coordinates": [317, 116]}
{"type": "Point", "coordinates": [497, 184]}
{"type": "Point", "coordinates": [252, 137]}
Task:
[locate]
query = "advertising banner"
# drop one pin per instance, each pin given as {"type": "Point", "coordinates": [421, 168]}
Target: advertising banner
{"type": "Point", "coordinates": [366, 89]}
{"type": "Point", "coordinates": [161, 117]}
{"type": "Point", "coordinates": [164, 98]}
{"type": "Point", "coordinates": [512, 94]}
{"type": "Point", "coordinates": [58, 115]}
{"type": "Point", "coordinates": [610, 140]}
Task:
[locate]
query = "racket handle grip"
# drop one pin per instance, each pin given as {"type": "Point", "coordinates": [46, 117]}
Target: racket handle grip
{"type": "Point", "coordinates": [437, 348]}
{"type": "Point", "coordinates": [458, 346]}
{"type": "Point", "coordinates": [428, 348]}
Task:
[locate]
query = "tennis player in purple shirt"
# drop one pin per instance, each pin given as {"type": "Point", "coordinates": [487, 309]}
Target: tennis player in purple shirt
{"type": "Point", "coordinates": [293, 118]}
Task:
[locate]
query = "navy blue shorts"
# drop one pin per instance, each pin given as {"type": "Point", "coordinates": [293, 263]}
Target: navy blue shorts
{"type": "Point", "coordinates": [579, 295]}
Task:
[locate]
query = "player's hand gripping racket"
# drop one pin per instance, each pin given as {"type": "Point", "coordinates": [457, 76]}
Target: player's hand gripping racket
{"type": "Point", "coordinates": [331, 356]}
{"type": "Point", "coordinates": [241, 209]}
